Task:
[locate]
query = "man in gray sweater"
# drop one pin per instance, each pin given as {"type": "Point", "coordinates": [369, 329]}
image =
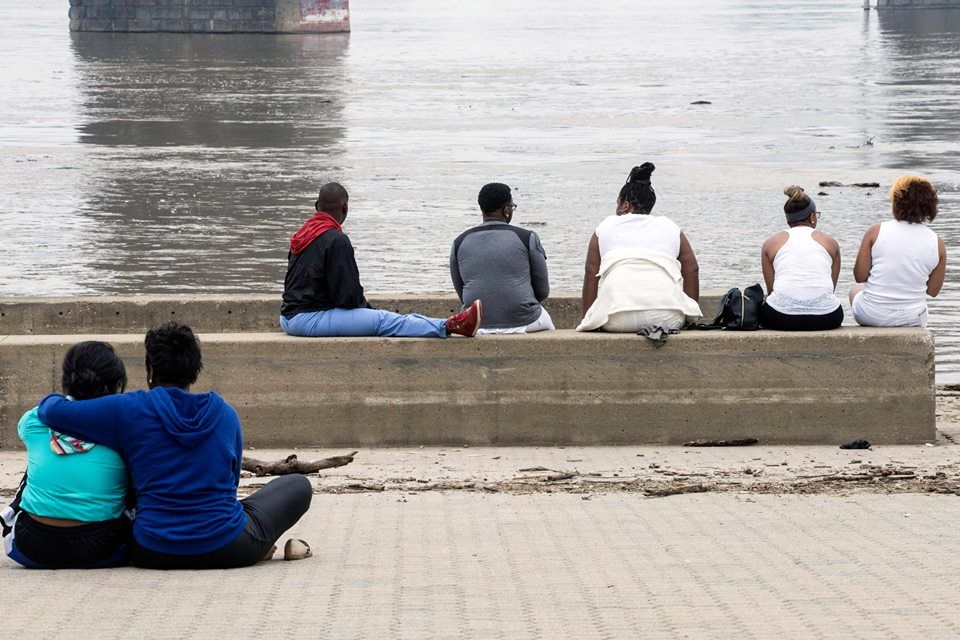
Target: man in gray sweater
{"type": "Point", "coordinates": [503, 265]}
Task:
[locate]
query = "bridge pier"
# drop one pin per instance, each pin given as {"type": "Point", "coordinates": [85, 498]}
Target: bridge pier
{"type": "Point", "coordinates": [210, 16]}
{"type": "Point", "coordinates": [912, 4]}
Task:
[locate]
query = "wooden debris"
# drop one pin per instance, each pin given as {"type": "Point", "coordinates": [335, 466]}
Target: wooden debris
{"type": "Point", "coordinates": [291, 464]}
{"type": "Point", "coordinates": [559, 475]}
{"type": "Point", "coordinates": [742, 442]}
{"type": "Point", "coordinates": [675, 491]}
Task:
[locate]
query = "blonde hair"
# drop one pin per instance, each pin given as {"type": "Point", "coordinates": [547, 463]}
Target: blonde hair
{"type": "Point", "coordinates": [903, 183]}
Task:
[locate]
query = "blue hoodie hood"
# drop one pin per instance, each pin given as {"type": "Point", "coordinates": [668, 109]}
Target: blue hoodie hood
{"type": "Point", "coordinates": [189, 418]}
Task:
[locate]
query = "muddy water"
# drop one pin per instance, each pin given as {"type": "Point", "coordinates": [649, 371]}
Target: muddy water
{"type": "Point", "coordinates": [176, 163]}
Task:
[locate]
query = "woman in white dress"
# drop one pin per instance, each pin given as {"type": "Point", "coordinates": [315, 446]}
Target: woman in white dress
{"type": "Point", "coordinates": [641, 272]}
{"type": "Point", "coordinates": [800, 267]}
{"type": "Point", "coordinates": [901, 261]}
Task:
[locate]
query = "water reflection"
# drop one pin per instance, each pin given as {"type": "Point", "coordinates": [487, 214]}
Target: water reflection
{"type": "Point", "coordinates": [919, 86]}
{"type": "Point", "coordinates": [204, 149]}
{"type": "Point", "coordinates": [159, 163]}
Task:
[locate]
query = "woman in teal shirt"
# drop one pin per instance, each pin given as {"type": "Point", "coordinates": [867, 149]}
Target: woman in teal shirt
{"type": "Point", "coordinates": [70, 511]}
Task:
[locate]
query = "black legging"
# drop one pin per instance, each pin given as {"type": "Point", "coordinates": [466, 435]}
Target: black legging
{"type": "Point", "coordinates": [270, 511]}
{"type": "Point", "coordinates": [770, 318]}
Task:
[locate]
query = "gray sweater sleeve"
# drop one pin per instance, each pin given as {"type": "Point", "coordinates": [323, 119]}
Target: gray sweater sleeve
{"type": "Point", "coordinates": [538, 269]}
{"type": "Point", "coordinates": [455, 272]}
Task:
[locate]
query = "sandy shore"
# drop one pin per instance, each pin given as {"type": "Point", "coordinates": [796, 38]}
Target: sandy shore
{"type": "Point", "coordinates": [653, 471]}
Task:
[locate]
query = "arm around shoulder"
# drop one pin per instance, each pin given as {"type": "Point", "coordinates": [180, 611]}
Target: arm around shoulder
{"type": "Point", "coordinates": [98, 420]}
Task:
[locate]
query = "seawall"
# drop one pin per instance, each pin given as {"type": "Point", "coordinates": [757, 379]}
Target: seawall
{"type": "Point", "coordinates": [226, 313]}
{"type": "Point", "coordinates": [554, 388]}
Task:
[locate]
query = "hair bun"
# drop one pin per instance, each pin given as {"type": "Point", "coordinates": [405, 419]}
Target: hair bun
{"type": "Point", "coordinates": [794, 193]}
{"type": "Point", "coordinates": [641, 173]}
{"type": "Point", "coordinates": [85, 383]}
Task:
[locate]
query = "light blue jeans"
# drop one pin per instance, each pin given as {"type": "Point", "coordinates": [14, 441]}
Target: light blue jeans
{"type": "Point", "coordinates": [363, 322]}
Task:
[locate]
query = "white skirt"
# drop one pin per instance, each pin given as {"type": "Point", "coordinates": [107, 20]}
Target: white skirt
{"type": "Point", "coordinates": [633, 321]}
{"type": "Point", "coordinates": [872, 315]}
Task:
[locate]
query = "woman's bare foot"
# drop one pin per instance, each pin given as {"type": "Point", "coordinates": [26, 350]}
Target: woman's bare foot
{"type": "Point", "coordinates": [270, 553]}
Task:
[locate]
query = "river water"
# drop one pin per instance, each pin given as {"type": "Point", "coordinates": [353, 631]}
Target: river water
{"type": "Point", "coordinates": [177, 163]}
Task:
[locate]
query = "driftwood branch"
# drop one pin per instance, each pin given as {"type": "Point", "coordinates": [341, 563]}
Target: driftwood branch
{"type": "Point", "coordinates": [743, 442]}
{"type": "Point", "coordinates": [676, 491]}
{"type": "Point", "coordinates": [291, 464]}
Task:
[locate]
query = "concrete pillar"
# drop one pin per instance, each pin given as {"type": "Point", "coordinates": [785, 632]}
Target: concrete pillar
{"type": "Point", "coordinates": [211, 16]}
{"type": "Point", "coordinates": [299, 16]}
{"type": "Point", "coordinates": [918, 4]}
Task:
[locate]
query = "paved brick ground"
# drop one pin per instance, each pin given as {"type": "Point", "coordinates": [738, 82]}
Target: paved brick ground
{"type": "Point", "coordinates": [473, 565]}
{"type": "Point", "coordinates": [416, 561]}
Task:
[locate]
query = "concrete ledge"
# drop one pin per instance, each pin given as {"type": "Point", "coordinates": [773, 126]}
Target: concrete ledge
{"type": "Point", "coordinates": [562, 388]}
{"type": "Point", "coordinates": [224, 313]}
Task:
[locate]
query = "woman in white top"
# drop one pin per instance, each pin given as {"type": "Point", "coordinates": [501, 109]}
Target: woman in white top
{"type": "Point", "coordinates": [901, 261]}
{"type": "Point", "coordinates": [800, 267]}
{"type": "Point", "coordinates": [641, 272]}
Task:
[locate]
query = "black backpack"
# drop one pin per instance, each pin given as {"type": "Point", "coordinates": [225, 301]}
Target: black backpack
{"type": "Point", "coordinates": [739, 311]}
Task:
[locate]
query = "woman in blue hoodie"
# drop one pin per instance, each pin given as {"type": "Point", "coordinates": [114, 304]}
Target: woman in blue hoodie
{"type": "Point", "coordinates": [184, 452]}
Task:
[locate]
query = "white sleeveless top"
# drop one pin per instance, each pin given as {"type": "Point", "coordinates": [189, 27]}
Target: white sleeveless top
{"type": "Point", "coordinates": [639, 232]}
{"type": "Point", "coordinates": [902, 258]}
{"type": "Point", "coordinates": [803, 281]}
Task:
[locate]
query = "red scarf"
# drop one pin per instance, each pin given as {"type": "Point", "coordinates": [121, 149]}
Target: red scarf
{"type": "Point", "coordinates": [312, 229]}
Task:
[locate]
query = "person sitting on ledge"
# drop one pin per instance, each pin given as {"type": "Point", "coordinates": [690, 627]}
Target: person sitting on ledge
{"type": "Point", "coordinates": [503, 265]}
{"type": "Point", "coordinates": [901, 261]}
{"type": "Point", "coordinates": [69, 511]}
{"type": "Point", "coordinates": [184, 451]}
{"type": "Point", "coordinates": [800, 267]}
{"type": "Point", "coordinates": [641, 273]}
{"type": "Point", "coordinates": [322, 295]}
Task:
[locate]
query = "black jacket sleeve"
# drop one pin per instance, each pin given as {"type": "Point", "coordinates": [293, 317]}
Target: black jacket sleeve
{"type": "Point", "coordinates": [343, 277]}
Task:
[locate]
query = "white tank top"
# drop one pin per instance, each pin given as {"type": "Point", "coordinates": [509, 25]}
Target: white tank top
{"type": "Point", "coordinates": [638, 231]}
{"type": "Point", "coordinates": [902, 258]}
{"type": "Point", "coordinates": [802, 267]}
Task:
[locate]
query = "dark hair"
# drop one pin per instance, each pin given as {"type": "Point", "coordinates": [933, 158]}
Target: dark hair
{"type": "Point", "coordinates": [638, 192]}
{"type": "Point", "coordinates": [91, 370]}
{"type": "Point", "coordinates": [914, 199]}
{"type": "Point", "coordinates": [493, 196]}
{"type": "Point", "coordinates": [332, 196]}
{"type": "Point", "coordinates": [173, 354]}
{"type": "Point", "coordinates": [797, 199]}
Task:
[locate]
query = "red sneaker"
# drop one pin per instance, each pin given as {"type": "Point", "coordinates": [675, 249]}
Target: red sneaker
{"type": "Point", "coordinates": [467, 322]}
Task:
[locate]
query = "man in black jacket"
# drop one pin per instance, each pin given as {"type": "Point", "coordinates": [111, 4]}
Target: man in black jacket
{"type": "Point", "coordinates": [322, 295]}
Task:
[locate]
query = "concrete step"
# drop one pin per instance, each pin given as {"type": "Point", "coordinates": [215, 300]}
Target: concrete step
{"type": "Point", "coordinates": [225, 313]}
{"type": "Point", "coordinates": [560, 388]}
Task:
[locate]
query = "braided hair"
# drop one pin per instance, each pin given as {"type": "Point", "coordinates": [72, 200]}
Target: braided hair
{"type": "Point", "coordinates": [638, 192]}
{"type": "Point", "coordinates": [91, 370]}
